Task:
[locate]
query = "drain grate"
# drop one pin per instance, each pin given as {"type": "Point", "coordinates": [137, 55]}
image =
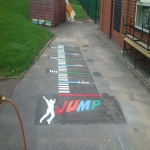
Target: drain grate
{"type": "Point", "coordinates": [85, 45]}
{"type": "Point", "coordinates": [90, 60]}
{"type": "Point", "coordinates": [97, 74]}
{"type": "Point", "coordinates": [84, 50]}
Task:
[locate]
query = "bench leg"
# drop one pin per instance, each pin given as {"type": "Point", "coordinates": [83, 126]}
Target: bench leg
{"type": "Point", "coordinates": [135, 59]}
{"type": "Point", "coordinates": [124, 48]}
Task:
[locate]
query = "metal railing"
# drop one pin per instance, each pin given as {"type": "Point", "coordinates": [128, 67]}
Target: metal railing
{"type": "Point", "coordinates": [92, 8]}
{"type": "Point", "coordinates": [74, 1]}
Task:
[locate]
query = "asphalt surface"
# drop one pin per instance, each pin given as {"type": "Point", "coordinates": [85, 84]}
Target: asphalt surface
{"type": "Point", "coordinates": [80, 94]}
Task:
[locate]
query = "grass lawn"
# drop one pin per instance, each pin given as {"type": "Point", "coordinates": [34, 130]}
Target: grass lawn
{"type": "Point", "coordinates": [20, 40]}
{"type": "Point", "coordinates": [80, 13]}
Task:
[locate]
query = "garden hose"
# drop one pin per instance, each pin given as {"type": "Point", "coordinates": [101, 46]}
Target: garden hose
{"type": "Point", "coordinates": [3, 98]}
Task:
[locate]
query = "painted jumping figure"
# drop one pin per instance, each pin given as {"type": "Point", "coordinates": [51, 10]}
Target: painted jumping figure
{"type": "Point", "coordinates": [50, 110]}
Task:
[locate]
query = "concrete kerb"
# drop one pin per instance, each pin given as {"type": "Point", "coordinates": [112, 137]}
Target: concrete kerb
{"type": "Point", "coordinates": [19, 77]}
{"type": "Point", "coordinates": [141, 74]}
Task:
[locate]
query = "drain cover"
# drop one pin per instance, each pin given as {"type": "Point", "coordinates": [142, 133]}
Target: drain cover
{"type": "Point", "coordinates": [90, 60]}
{"type": "Point", "coordinates": [97, 74]}
{"type": "Point", "coordinates": [84, 50]}
{"type": "Point", "coordinates": [85, 45]}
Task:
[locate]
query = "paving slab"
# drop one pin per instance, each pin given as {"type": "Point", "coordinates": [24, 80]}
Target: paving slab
{"type": "Point", "coordinates": [78, 95]}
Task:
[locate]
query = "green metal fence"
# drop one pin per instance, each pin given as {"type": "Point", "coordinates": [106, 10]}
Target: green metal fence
{"type": "Point", "coordinates": [74, 1]}
{"type": "Point", "coordinates": [92, 8]}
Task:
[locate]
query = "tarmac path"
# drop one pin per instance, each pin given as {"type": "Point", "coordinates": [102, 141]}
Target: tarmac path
{"type": "Point", "coordinates": [78, 96]}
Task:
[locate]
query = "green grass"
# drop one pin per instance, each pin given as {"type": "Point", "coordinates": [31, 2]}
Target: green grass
{"type": "Point", "coordinates": [80, 13]}
{"type": "Point", "coordinates": [74, 1]}
{"type": "Point", "coordinates": [20, 40]}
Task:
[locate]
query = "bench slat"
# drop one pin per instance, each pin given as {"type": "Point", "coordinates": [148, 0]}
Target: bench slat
{"type": "Point", "coordinates": [137, 47]}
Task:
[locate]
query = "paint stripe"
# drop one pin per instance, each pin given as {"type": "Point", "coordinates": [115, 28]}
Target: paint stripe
{"type": "Point", "coordinates": [63, 75]}
{"type": "Point", "coordinates": [64, 91]}
{"type": "Point", "coordinates": [72, 82]}
{"type": "Point", "coordinates": [61, 55]}
{"type": "Point", "coordinates": [67, 65]}
{"type": "Point", "coordinates": [63, 79]}
{"type": "Point", "coordinates": [72, 50]}
{"type": "Point", "coordinates": [71, 58]}
{"type": "Point", "coordinates": [62, 69]}
{"type": "Point", "coordinates": [60, 46]}
{"type": "Point", "coordinates": [81, 95]}
{"type": "Point", "coordinates": [69, 82]}
{"type": "Point", "coordinates": [86, 73]}
{"type": "Point", "coordinates": [62, 66]}
{"type": "Point", "coordinates": [74, 54]}
{"type": "Point", "coordinates": [62, 63]}
{"type": "Point", "coordinates": [63, 86]}
{"type": "Point", "coordinates": [61, 60]}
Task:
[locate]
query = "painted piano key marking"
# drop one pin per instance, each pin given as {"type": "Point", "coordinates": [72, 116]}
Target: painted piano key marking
{"type": "Point", "coordinates": [62, 88]}
{"type": "Point", "coordinates": [70, 65]}
{"type": "Point", "coordinates": [60, 57]}
{"type": "Point", "coordinates": [67, 45]}
{"type": "Point", "coordinates": [59, 50]}
{"type": "Point", "coordinates": [54, 47]}
{"type": "Point", "coordinates": [73, 82]}
{"type": "Point", "coordinates": [64, 71]}
{"type": "Point", "coordinates": [77, 73]}
{"type": "Point", "coordinates": [69, 53]}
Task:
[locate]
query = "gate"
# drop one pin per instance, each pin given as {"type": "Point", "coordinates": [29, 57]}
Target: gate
{"type": "Point", "coordinates": [92, 8]}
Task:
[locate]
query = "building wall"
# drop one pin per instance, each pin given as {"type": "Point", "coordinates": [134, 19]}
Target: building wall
{"type": "Point", "coordinates": [105, 18]}
{"type": "Point", "coordinates": [53, 10]}
{"type": "Point", "coordinates": [127, 12]}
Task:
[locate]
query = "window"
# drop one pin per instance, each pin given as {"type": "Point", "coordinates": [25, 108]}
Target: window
{"type": "Point", "coordinates": [142, 15]}
{"type": "Point", "coordinates": [117, 14]}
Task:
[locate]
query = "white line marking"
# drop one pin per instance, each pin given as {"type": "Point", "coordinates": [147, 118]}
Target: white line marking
{"type": "Point", "coordinates": [63, 86]}
{"type": "Point", "coordinates": [119, 138]}
{"type": "Point", "coordinates": [63, 80]}
{"type": "Point", "coordinates": [62, 67]}
{"type": "Point", "coordinates": [63, 75]}
{"type": "Point", "coordinates": [64, 91]}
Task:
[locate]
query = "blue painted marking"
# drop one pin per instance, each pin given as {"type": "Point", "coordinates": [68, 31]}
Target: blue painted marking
{"type": "Point", "coordinates": [69, 82]}
{"type": "Point", "coordinates": [83, 105]}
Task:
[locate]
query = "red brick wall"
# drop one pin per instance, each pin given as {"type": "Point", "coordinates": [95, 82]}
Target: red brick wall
{"type": "Point", "coordinates": [130, 13]}
{"type": "Point", "coordinates": [105, 18]}
{"type": "Point", "coordinates": [53, 10]}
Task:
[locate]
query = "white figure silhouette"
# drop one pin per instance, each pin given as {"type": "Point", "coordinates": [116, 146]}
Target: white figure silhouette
{"type": "Point", "coordinates": [50, 110]}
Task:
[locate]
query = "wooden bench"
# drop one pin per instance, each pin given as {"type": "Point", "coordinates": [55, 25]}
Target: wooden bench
{"type": "Point", "coordinates": [138, 48]}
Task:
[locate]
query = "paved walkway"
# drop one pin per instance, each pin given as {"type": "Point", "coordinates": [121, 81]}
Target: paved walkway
{"type": "Point", "coordinates": [80, 94]}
